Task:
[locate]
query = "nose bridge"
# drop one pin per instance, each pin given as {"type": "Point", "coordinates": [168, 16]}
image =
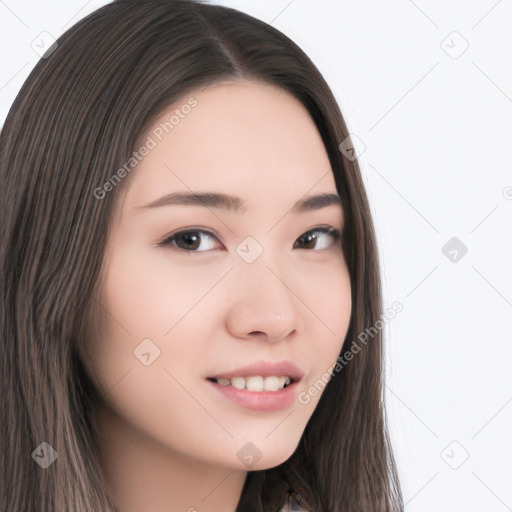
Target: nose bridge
{"type": "Point", "coordinates": [264, 302]}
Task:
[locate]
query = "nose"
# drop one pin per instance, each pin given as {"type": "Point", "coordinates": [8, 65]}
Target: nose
{"type": "Point", "coordinates": [263, 304]}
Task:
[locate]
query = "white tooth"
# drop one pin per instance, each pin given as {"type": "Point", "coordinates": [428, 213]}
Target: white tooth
{"type": "Point", "coordinates": [254, 383]}
{"type": "Point", "coordinates": [271, 383]}
{"type": "Point", "coordinates": [238, 382]}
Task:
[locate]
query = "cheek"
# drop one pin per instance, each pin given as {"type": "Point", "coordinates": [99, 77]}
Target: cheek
{"type": "Point", "coordinates": [145, 302]}
{"type": "Point", "coordinates": [152, 323]}
{"type": "Point", "coordinates": [148, 293]}
{"type": "Point", "coordinates": [152, 304]}
{"type": "Point", "coordinates": [329, 302]}
{"type": "Point", "coordinates": [327, 296]}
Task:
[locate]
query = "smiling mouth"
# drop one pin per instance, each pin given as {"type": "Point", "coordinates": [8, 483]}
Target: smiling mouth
{"type": "Point", "coordinates": [255, 382]}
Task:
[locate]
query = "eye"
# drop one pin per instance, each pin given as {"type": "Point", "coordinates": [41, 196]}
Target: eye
{"type": "Point", "coordinates": [191, 240]}
{"type": "Point", "coordinates": [311, 239]}
{"type": "Point", "coordinates": [200, 240]}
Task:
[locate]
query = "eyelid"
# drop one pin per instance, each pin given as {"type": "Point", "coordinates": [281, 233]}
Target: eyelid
{"type": "Point", "coordinates": [335, 233]}
{"type": "Point", "coordinates": [194, 229]}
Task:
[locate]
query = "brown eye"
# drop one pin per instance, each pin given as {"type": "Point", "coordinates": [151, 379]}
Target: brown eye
{"type": "Point", "coordinates": [189, 240]}
{"type": "Point", "coordinates": [318, 238]}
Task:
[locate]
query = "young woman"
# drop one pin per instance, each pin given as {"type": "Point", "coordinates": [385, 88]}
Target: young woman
{"type": "Point", "coordinates": [187, 261]}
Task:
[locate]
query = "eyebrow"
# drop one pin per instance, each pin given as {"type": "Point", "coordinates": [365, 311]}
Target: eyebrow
{"type": "Point", "coordinates": [235, 204]}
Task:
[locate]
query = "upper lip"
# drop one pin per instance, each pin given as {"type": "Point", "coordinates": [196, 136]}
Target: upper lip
{"type": "Point", "coordinates": [265, 369]}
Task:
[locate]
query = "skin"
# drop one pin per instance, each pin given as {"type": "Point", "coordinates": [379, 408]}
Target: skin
{"type": "Point", "coordinates": [168, 440]}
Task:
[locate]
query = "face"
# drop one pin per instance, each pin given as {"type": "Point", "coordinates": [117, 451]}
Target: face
{"type": "Point", "coordinates": [206, 303]}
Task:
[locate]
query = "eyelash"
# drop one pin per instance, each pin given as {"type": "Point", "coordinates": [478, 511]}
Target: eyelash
{"type": "Point", "coordinates": [169, 242]}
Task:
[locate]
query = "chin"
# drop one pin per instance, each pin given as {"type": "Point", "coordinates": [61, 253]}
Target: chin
{"type": "Point", "coordinates": [274, 456]}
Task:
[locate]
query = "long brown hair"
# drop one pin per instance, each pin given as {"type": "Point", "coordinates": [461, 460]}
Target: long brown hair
{"type": "Point", "coordinates": [76, 119]}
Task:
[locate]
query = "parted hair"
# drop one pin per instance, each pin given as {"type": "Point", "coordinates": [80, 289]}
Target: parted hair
{"type": "Point", "coordinates": [77, 117]}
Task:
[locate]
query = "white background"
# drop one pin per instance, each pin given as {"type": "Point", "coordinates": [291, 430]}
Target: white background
{"type": "Point", "coordinates": [436, 129]}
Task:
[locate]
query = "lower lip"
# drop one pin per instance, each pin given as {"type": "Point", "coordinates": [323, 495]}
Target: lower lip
{"type": "Point", "coordinates": [259, 400]}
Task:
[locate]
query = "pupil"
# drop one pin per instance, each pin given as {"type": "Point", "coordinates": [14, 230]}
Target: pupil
{"type": "Point", "coordinates": [309, 239]}
{"type": "Point", "coordinates": [190, 240]}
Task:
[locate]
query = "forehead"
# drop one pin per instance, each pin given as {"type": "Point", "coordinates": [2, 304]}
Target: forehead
{"type": "Point", "coordinates": [250, 139]}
